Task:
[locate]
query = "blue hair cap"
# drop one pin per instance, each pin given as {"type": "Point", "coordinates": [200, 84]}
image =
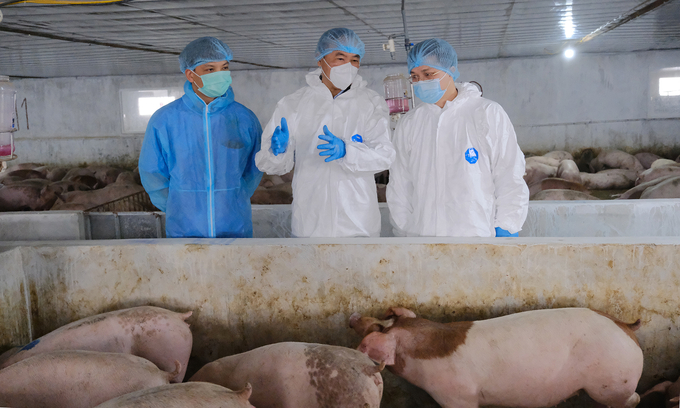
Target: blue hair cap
{"type": "Point", "coordinates": [340, 39]}
{"type": "Point", "coordinates": [203, 50]}
{"type": "Point", "coordinates": [434, 53]}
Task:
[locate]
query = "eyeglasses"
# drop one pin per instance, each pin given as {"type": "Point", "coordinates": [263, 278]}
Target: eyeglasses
{"type": "Point", "coordinates": [424, 77]}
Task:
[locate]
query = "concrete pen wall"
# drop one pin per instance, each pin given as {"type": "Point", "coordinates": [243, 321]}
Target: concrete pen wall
{"type": "Point", "coordinates": [592, 100]}
{"type": "Point", "coordinates": [249, 293]}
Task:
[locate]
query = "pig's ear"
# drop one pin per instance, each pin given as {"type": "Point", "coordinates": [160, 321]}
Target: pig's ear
{"type": "Point", "coordinates": [363, 326]}
{"type": "Point", "coordinates": [399, 312]}
{"type": "Point", "coordinates": [245, 393]}
{"type": "Point", "coordinates": [379, 347]}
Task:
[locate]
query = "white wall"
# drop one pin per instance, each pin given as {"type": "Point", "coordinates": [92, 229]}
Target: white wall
{"type": "Point", "coordinates": [602, 101]}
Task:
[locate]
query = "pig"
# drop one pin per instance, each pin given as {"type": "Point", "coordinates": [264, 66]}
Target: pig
{"type": "Point", "coordinates": [196, 395]}
{"type": "Point", "coordinates": [78, 171]}
{"type": "Point", "coordinates": [636, 192]}
{"type": "Point", "coordinates": [548, 161]}
{"type": "Point", "coordinates": [291, 375]}
{"type": "Point", "coordinates": [158, 335]}
{"type": "Point", "coordinates": [530, 359]}
{"type": "Point", "coordinates": [568, 170]}
{"type": "Point", "coordinates": [106, 175]}
{"type": "Point", "coordinates": [613, 179]}
{"type": "Point", "coordinates": [288, 177]}
{"type": "Point", "coordinates": [90, 199]}
{"type": "Point", "coordinates": [24, 174]}
{"type": "Point", "coordinates": [669, 188]}
{"type": "Point", "coordinates": [651, 174]}
{"type": "Point", "coordinates": [11, 180]}
{"type": "Point", "coordinates": [56, 174]}
{"type": "Point", "coordinates": [616, 159]}
{"type": "Point", "coordinates": [61, 187]}
{"type": "Point", "coordinates": [126, 177]}
{"type": "Point", "coordinates": [552, 183]}
{"type": "Point", "coordinates": [22, 197]}
{"type": "Point", "coordinates": [559, 155]}
{"type": "Point", "coordinates": [646, 159]}
{"type": "Point", "coordinates": [276, 195]}
{"type": "Point", "coordinates": [77, 379]}
{"type": "Point", "coordinates": [89, 181]}
{"type": "Point", "coordinates": [534, 172]}
{"type": "Point", "coordinates": [271, 181]}
{"type": "Point", "coordinates": [25, 166]}
{"type": "Point", "coordinates": [656, 397]}
{"type": "Point", "coordinates": [585, 157]}
{"type": "Point", "coordinates": [663, 163]}
{"type": "Point", "coordinates": [561, 195]}
{"type": "Point", "coordinates": [34, 182]}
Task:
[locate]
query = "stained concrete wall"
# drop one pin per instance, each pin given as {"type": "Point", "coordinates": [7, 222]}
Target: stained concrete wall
{"type": "Point", "coordinates": [598, 100]}
{"type": "Point", "coordinates": [15, 323]}
{"type": "Point", "coordinates": [248, 293]}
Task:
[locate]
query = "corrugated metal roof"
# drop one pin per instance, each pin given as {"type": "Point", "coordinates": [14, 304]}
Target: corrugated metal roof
{"type": "Point", "coordinates": [144, 36]}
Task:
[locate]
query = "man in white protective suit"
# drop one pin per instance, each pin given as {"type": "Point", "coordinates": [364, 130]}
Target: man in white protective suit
{"type": "Point", "coordinates": [336, 133]}
{"type": "Point", "coordinates": [458, 171]}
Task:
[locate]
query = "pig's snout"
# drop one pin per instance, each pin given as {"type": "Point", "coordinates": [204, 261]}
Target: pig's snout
{"type": "Point", "coordinates": [354, 319]}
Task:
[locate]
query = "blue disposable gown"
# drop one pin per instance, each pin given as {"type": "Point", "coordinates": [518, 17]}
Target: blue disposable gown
{"type": "Point", "coordinates": [197, 164]}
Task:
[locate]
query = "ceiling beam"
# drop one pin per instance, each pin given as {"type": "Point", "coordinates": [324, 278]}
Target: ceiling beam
{"type": "Point", "coordinates": [642, 9]}
{"type": "Point", "coordinates": [10, 29]}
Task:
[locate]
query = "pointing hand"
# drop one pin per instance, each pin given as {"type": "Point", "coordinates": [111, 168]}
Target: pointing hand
{"type": "Point", "coordinates": [334, 149]}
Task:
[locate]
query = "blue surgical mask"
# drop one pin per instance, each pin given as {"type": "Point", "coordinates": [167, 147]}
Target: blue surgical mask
{"type": "Point", "coordinates": [215, 84]}
{"type": "Point", "coordinates": [429, 91]}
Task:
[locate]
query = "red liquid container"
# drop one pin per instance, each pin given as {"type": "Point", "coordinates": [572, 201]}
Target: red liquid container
{"type": "Point", "coordinates": [6, 150]}
{"type": "Point", "coordinates": [397, 93]}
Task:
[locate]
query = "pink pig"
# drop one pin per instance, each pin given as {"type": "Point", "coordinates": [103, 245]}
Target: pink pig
{"type": "Point", "coordinates": [530, 359]}
{"type": "Point", "coordinates": [156, 334]}
{"type": "Point", "coordinates": [77, 379]}
{"type": "Point", "coordinates": [194, 394]}
{"type": "Point", "coordinates": [296, 375]}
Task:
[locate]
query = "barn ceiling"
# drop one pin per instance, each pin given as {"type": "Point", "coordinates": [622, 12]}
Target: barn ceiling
{"type": "Point", "coordinates": [145, 36]}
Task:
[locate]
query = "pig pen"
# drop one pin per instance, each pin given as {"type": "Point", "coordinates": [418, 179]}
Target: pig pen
{"type": "Point", "coordinates": [247, 293]}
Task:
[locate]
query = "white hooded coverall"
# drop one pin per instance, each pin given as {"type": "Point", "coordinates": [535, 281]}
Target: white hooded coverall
{"type": "Point", "coordinates": [458, 172]}
{"type": "Point", "coordinates": [338, 198]}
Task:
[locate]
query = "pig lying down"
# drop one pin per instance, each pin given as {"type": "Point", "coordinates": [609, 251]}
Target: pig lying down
{"type": "Point", "coordinates": [296, 375]}
{"type": "Point", "coordinates": [194, 395]}
{"type": "Point", "coordinates": [530, 359]}
{"type": "Point", "coordinates": [77, 379]}
{"type": "Point", "coordinates": [158, 335]}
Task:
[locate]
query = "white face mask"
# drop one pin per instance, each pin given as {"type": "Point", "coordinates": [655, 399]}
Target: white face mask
{"type": "Point", "coordinates": [343, 75]}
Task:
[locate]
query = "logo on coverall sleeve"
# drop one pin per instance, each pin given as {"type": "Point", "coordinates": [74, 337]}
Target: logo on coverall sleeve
{"type": "Point", "coordinates": [471, 155]}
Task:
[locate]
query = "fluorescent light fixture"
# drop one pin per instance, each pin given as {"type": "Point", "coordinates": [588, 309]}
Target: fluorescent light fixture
{"type": "Point", "coordinates": [569, 53]}
{"type": "Point", "coordinates": [669, 86]}
{"type": "Point", "coordinates": [567, 21]}
{"type": "Point", "coordinates": [149, 105]}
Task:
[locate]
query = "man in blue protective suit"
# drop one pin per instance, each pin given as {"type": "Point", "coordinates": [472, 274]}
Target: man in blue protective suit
{"type": "Point", "coordinates": [459, 170]}
{"type": "Point", "coordinates": [197, 160]}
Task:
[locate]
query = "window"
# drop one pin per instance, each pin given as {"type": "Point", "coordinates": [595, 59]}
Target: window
{"type": "Point", "coordinates": [150, 104]}
{"type": "Point", "coordinates": [664, 93]}
{"type": "Point", "coordinates": [669, 86]}
{"type": "Point", "coordinates": [137, 106]}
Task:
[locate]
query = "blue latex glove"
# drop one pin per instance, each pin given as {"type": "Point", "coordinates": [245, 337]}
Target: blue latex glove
{"type": "Point", "coordinates": [335, 148]}
{"type": "Point", "coordinates": [280, 138]}
{"type": "Point", "coordinates": [500, 232]}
